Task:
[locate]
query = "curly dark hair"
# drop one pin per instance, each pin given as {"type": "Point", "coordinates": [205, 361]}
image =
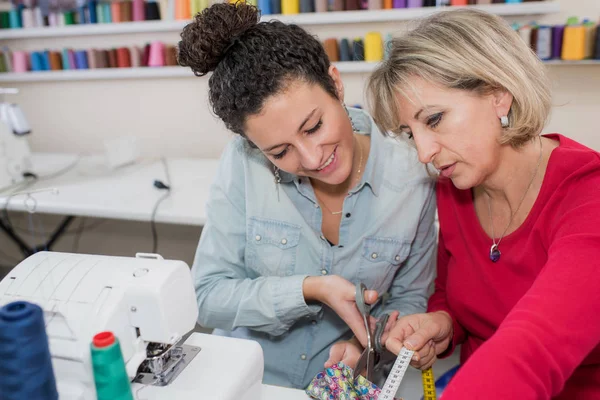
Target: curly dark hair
{"type": "Point", "coordinates": [251, 60]}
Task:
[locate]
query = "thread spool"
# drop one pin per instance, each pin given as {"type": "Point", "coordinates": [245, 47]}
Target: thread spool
{"type": "Point", "coordinates": [27, 18]}
{"type": "Point", "coordinates": [92, 10]}
{"type": "Point", "coordinates": [126, 11]}
{"type": "Point", "coordinates": [8, 60]}
{"type": "Point", "coordinates": [3, 67]}
{"type": "Point", "coordinates": [276, 6]}
{"type": "Point", "coordinates": [171, 56]}
{"type": "Point", "coordinates": [45, 60]}
{"type": "Point", "coordinates": [460, 2]}
{"type": "Point", "coordinates": [110, 376]}
{"type": "Point", "coordinates": [107, 13]}
{"type": "Point", "coordinates": [387, 46]}
{"type": "Point", "coordinates": [138, 10]}
{"type": "Point", "coordinates": [55, 61]}
{"type": "Point", "coordinates": [345, 50]}
{"type": "Point", "coordinates": [65, 59]}
{"type": "Point", "coordinates": [373, 47]}
{"type": "Point", "coordinates": [123, 57]}
{"type": "Point", "coordinates": [4, 19]}
{"type": "Point", "coordinates": [414, 3]}
{"type": "Point", "coordinates": [321, 5]}
{"type": "Point", "coordinates": [388, 4]}
{"type": "Point", "coordinates": [182, 9]}
{"type": "Point", "coordinates": [153, 11]}
{"type": "Point", "coordinates": [290, 7]}
{"type": "Point", "coordinates": [81, 61]}
{"type": "Point", "coordinates": [92, 58]}
{"type": "Point", "coordinates": [331, 49]}
{"type": "Point", "coordinates": [597, 50]}
{"type": "Point", "coordinates": [156, 58]}
{"type": "Point", "coordinates": [112, 58]}
{"type": "Point", "coordinates": [557, 40]}
{"type": "Point", "coordinates": [26, 371]}
{"type": "Point", "coordinates": [19, 61]}
{"type": "Point", "coordinates": [352, 5]}
{"type": "Point", "coordinates": [399, 3]}
{"type": "Point", "coordinates": [307, 6]}
{"type": "Point", "coordinates": [337, 5]}
{"type": "Point", "coordinates": [72, 62]}
{"type": "Point", "coordinates": [573, 42]}
{"type": "Point", "coordinates": [375, 4]}
{"type": "Point", "coordinates": [135, 56]}
{"type": "Point", "coordinates": [15, 21]}
{"type": "Point", "coordinates": [358, 50]}
{"type": "Point", "coordinates": [544, 43]}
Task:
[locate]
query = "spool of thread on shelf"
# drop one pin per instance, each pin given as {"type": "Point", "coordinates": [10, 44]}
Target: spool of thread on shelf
{"type": "Point", "coordinates": [544, 42]}
{"type": "Point", "coordinates": [4, 19]}
{"type": "Point", "coordinates": [307, 6]}
{"type": "Point", "coordinates": [92, 13]}
{"type": "Point", "coordinates": [55, 61]}
{"type": "Point", "coordinates": [27, 18]}
{"type": "Point", "coordinates": [590, 37]}
{"type": "Point", "coordinates": [123, 57]}
{"type": "Point", "coordinates": [373, 47]}
{"type": "Point", "coordinates": [81, 61]}
{"type": "Point", "coordinates": [264, 6]}
{"type": "Point", "coordinates": [414, 3]}
{"type": "Point", "coordinates": [170, 55]}
{"type": "Point", "coordinates": [352, 5]}
{"type": "Point", "coordinates": [597, 50]}
{"type": "Point", "coordinates": [110, 376]}
{"type": "Point", "coordinates": [399, 3]}
{"type": "Point", "coordinates": [72, 62]}
{"type": "Point", "coordinates": [358, 50]}
{"type": "Point", "coordinates": [276, 6]}
{"type": "Point", "coordinates": [38, 17]}
{"type": "Point", "coordinates": [153, 11]}
{"type": "Point", "coordinates": [107, 13]}
{"type": "Point", "coordinates": [331, 49]}
{"type": "Point", "coordinates": [557, 40]}
{"type": "Point", "coordinates": [65, 59]}
{"type": "Point", "coordinates": [136, 57]}
{"type": "Point", "coordinates": [35, 60]}
{"type": "Point", "coordinates": [459, 2]}
{"type": "Point", "coordinates": [115, 11]}
{"type": "Point", "coordinates": [321, 5]}
{"type": "Point", "coordinates": [138, 10]}
{"type": "Point", "coordinates": [290, 7]}
{"type": "Point", "coordinates": [15, 20]}
{"type": "Point", "coordinates": [182, 9]}
{"type": "Point", "coordinates": [573, 41]}
{"type": "Point", "coordinates": [387, 46]}
{"type": "Point", "coordinates": [26, 371]}
{"type": "Point", "coordinates": [126, 11]}
{"type": "Point", "coordinates": [156, 58]}
{"type": "Point", "coordinates": [19, 61]}
{"type": "Point", "coordinates": [92, 58]}
{"type": "Point", "coordinates": [345, 50]}
{"type": "Point", "coordinates": [375, 4]}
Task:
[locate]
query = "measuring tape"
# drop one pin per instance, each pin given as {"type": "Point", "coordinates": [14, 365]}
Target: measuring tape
{"type": "Point", "coordinates": [428, 385]}
{"type": "Point", "coordinates": [392, 383]}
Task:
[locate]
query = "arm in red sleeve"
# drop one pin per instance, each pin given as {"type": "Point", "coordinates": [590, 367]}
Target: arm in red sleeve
{"type": "Point", "coordinates": [438, 302]}
{"type": "Point", "coordinates": [552, 328]}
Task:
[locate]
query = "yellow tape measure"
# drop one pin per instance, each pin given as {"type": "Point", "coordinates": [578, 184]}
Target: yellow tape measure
{"type": "Point", "coordinates": [428, 385]}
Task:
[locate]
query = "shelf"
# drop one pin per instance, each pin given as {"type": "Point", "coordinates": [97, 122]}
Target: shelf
{"type": "Point", "coordinates": [181, 72]}
{"type": "Point", "coordinates": [338, 17]}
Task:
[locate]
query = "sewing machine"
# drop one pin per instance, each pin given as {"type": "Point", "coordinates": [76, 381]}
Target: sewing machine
{"type": "Point", "coordinates": [149, 304]}
{"type": "Point", "coordinates": [15, 155]}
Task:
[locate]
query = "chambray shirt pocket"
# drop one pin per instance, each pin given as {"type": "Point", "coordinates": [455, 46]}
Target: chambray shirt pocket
{"type": "Point", "coordinates": [380, 259]}
{"type": "Point", "coordinates": [271, 246]}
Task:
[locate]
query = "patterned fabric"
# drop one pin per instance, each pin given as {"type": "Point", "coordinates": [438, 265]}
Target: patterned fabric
{"type": "Point", "coordinates": [336, 383]}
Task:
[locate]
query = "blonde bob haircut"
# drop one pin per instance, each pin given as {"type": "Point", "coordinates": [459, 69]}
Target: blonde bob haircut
{"type": "Point", "coordinates": [467, 50]}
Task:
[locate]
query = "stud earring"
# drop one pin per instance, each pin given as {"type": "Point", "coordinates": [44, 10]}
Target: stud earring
{"type": "Point", "coordinates": [277, 180]}
{"type": "Point", "coordinates": [504, 121]}
{"type": "Point", "coordinates": [349, 117]}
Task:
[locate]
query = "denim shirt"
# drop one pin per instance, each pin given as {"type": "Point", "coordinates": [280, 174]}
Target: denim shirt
{"type": "Point", "coordinates": [261, 240]}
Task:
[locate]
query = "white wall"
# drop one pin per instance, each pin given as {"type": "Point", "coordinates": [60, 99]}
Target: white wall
{"type": "Point", "coordinates": [171, 118]}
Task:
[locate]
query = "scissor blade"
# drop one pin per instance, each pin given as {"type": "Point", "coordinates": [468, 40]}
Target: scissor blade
{"type": "Point", "coordinates": [362, 363]}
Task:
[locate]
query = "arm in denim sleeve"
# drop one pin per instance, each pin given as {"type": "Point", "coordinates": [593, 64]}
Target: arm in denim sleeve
{"type": "Point", "coordinates": [227, 297]}
{"type": "Point", "coordinates": [412, 284]}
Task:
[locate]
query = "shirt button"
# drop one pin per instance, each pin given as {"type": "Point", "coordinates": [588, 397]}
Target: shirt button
{"type": "Point", "coordinates": [316, 205]}
{"type": "Point", "coordinates": [322, 237]}
{"type": "Point", "coordinates": [323, 272]}
{"type": "Point", "coordinates": [374, 256]}
{"type": "Point", "coordinates": [397, 258]}
{"type": "Point", "coordinates": [284, 241]}
{"type": "Point", "coordinates": [258, 238]}
{"type": "Point", "coordinates": [348, 215]}
{"type": "Point", "coordinates": [303, 356]}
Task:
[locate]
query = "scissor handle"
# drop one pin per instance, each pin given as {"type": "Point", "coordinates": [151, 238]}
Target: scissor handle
{"type": "Point", "coordinates": [379, 329]}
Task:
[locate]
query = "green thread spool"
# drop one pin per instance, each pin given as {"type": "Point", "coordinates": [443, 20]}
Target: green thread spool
{"type": "Point", "coordinates": [110, 376]}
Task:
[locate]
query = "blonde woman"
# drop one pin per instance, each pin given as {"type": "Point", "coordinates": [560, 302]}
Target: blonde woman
{"type": "Point", "coordinates": [518, 282]}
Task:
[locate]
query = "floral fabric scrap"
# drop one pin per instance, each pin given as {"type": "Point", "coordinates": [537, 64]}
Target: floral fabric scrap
{"type": "Point", "coordinates": [336, 383]}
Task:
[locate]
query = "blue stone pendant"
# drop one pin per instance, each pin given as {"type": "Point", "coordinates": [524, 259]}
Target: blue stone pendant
{"type": "Point", "coordinates": [494, 253]}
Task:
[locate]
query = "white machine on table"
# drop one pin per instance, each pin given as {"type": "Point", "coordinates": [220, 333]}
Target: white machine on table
{"type": "Point", "coordinates": [15, 155]}
{"type": "Point", "coordinates": [149, 304]}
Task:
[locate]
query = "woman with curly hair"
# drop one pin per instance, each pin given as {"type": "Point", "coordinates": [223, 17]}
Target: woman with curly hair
{"type": "Point", "coordinates": [310, 198]}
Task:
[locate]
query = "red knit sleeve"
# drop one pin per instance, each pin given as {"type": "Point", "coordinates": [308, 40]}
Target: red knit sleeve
{"type": "Point", "coordinates": [438, 302]}
{"type": "Point", "coordinates": [554, 326]}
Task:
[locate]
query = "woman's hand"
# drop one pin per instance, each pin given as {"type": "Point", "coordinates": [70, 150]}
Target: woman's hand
{"type": "Point", "coordinates": [426, 334]}
{"type": "Point", "coordinates": [347, 351]}
{"type": "Point", "coordinates": [340, 295]}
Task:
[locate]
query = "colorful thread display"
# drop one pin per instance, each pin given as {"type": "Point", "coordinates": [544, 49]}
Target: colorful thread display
{"type": "Point", "coordinates": [42, 13]}
{"type": "Point", "coordinates": [155, 54]}
{"type": "Point", "coordinates": [26, 368]}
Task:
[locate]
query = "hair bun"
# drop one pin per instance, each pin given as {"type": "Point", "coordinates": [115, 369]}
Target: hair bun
{"type": "Point", "coordinates": [205, 40]}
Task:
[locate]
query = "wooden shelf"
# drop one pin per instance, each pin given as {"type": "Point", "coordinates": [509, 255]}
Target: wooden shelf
{"type": "Point", "coordinates": [338, 17]}
{"type": "Point", "coordinates": [181, 72]}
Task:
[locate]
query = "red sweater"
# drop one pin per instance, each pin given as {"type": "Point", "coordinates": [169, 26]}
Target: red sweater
{"type": "Point", "coordinates": [529, 324]}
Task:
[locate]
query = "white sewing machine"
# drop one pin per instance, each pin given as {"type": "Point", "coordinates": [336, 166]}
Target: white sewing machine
{"type": "Point", "coordinates": [15, 155]}
{"type": "Point", "coordinates": [149, 304]}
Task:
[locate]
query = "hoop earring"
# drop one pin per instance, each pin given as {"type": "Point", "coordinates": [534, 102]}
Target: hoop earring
{"type": "Point", "coordinates": [349, 117]}
{"type": "Point", "coordinates": [504, 121]}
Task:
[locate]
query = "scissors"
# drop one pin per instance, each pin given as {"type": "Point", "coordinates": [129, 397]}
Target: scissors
{"type": "Point", "coordinates": [372, 352]}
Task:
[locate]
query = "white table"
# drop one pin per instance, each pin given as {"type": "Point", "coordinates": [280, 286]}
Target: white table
{"type": "Point", "coordinates": [90, 189]}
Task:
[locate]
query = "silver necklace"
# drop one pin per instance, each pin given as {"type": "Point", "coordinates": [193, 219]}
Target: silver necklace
{"type": "Point", "coordinates": [356, 179]}
{"type": "Point", "coordinates": [494, 251]}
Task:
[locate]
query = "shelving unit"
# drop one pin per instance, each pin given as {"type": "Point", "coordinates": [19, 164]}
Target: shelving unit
{"type": "Point", "coordinates": [181, 72]}
{"type": "Point", "coordinates": [328, 18]}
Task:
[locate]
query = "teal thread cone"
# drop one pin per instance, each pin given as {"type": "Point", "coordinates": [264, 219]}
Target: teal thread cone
{"type": "Point", "coordinates": [110, 376]}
